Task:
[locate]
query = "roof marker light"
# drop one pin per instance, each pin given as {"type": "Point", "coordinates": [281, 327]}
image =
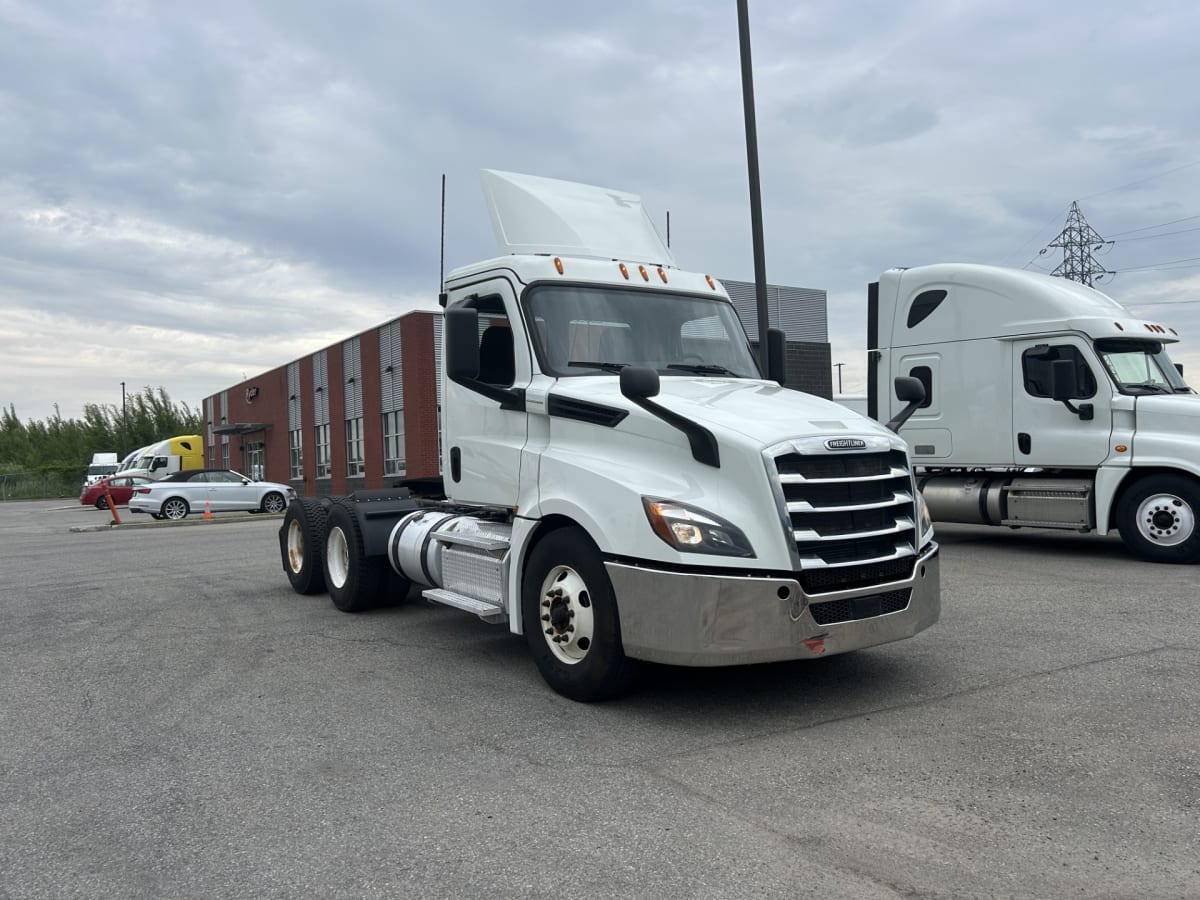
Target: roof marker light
{"type": "Point", "coordinates": [624, 271]}
{"type": "Point", "coordinates": [1174, 332]}
{"type": "Point", "coordinates": [1148, 328]}
{"type": "Point", "coordinates": [558, 265]}
{"type": "Point", "coordinates": [645, 275]}
{"type": "Point", "coordinates": [712, 284]}
{"type": "Point", "coordinates": [662, 274]}
{"type": "Point", "coordinates": [1120, 327]}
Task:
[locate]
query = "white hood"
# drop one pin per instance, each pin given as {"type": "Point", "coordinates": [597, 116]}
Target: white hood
{"type": "Point", "coordinates": [761, 411]}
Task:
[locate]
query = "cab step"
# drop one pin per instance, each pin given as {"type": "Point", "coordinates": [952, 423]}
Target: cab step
{"type": "Point", "coordinates": [489, 612]}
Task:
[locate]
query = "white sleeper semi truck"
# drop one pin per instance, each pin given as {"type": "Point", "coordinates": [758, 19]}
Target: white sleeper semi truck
{"type": "Point", "coordinates": [620, 480]}
{"type": "Point", "coordinates": [1047, 405]}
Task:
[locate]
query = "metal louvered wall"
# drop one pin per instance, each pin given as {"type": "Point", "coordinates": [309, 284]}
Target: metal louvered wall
{"type": "Point", "coordinates": [352, 378]}
{"type": "Point", "coordinates": [391, 376]}
{"type": "Point", "coordinates": [800, 312]}
{"type": "Point", "coordinates": [293, 384]}
{"type": "Point", "coordinates": [320, 389]}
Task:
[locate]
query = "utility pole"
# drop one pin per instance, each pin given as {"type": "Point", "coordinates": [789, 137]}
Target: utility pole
{"type": "Point", "coordinates": [756, 224]}
{"type": "Point", "coordinates": [838, 366]}
{"type": "Point", "coordinates": [1078, 239]}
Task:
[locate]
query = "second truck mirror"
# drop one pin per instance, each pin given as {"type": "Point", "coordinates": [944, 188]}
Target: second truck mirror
{"type": "Point", "coordinates": [462, 344]}
{"type": "Point", "coordinates": [908, 390]}
{"type": "Point", "coordinates": [639, 383]}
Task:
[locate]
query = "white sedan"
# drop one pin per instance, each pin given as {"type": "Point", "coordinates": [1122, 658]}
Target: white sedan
{"type": "Point", "coordinates": [218, 490]}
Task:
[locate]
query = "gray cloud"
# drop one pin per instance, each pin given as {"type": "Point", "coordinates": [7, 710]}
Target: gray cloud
{"type": "Point", "coordinates": [215, 189]}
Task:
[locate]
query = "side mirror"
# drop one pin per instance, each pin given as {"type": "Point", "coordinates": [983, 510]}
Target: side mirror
{"type": "Point", "coordinates": [776, 355]}
{"type": "Point", "coordinates": [462, 344]}
{"type": "Point", "coordinates": [908, 390]}
{"type": "Point", "coordinates": [639, 383]}
{"type": "Point", "coordinates": [1065, 387]}
{"type": "Point", "coordinates": [1064, 382]}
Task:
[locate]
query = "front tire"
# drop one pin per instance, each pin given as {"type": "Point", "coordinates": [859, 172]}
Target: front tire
{"type": "Point", "coordinates": [302, 545]}
{"type": "Point", "coordinates": [1159, 519]}
{"type": "Point", "coordinates": [570, 617]}
{"type": "Point", "coordinates": [355, 580]}
{"type": "Point", "coordinates": [273, 503]}
{"type": "Point", "coordinates": [101, 503]}
{"type": "Point", "coordinates": [175, 509]}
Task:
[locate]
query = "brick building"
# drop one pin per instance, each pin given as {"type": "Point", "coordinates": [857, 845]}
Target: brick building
{"type": "Point", "coordinates": [363, 412]}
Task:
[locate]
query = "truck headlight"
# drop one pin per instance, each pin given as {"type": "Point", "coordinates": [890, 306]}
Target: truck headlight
{"type": "Point", "coordinates": [924, 523]}
{"type": "Point", "coordinates": [692, 530]}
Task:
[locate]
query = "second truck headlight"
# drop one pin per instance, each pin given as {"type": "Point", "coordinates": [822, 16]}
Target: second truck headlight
{"type": "Point", "coordinates": [692, 530]}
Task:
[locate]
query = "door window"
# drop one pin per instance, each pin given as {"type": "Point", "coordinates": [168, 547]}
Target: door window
{"type": "Point", "coordinates": [1036, 364]}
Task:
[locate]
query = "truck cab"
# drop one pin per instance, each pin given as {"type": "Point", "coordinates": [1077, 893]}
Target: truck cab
{"type": "Point", "coordinates": [621, 482]}
{"type": "Point", "coordinates": [1047, 405]}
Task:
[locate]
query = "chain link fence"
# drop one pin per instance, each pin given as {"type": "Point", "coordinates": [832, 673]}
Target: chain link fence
{"type": "Point", "coordinates": [40, 485]}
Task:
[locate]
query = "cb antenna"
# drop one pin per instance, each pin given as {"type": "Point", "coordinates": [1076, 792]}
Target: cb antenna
{"type": "Point", "coordinates": [442, 255]}
{"type": "Point", "coordinates": [668, 229]}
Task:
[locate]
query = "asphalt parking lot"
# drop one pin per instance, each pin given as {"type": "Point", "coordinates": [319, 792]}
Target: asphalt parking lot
{"type": "Point", "coordinates": [177, 723]}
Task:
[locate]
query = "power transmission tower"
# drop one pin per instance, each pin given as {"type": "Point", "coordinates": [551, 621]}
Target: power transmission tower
{"type": "Point", "coordinates": [1078, 239]}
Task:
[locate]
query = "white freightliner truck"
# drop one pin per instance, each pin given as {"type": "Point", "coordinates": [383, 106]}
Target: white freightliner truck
{"type": "Point", "coordinates": [1047, 405]}
{"type": "Point", "coordinates": [620, 482]}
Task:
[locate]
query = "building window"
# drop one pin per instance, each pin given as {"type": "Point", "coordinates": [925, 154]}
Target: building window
{"type": "Point", "coordinates": [354, 447]}
{"type": "Point", "coordinates": [224, 456]}
{"type": "Point", "coordinates": [322, 442]}
{"type": "Point", "coordinates": [393, 443]}
{"type": "Point", "coordinates": [297, 454]}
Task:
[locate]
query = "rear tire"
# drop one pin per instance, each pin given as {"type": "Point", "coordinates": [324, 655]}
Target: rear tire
{"type": "Point", "coordinates": [302, 545]}
{"type": "Point", "coordinates": [175, 508]}
{"type": "Point", "coordinates": [101, 503]}
{"type": "Point", "coordinates": [1159, 519]}
{"type": "Point", "coordinates": [355, 581]}
{"type": "Point", "coordinates": [570, 619]}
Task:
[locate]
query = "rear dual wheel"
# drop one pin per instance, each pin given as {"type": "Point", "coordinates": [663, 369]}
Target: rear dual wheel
{"type": "Point", "coordinates": [356, 581]}
{"type": "Point", "coordinates": [302, 545]}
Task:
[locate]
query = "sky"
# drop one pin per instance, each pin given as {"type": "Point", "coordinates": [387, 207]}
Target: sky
{"type": "Point", "coordinates": [191, 194]}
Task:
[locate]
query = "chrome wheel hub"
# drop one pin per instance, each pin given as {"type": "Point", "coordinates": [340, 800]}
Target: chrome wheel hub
{"type": "Point", "coordinates": [565, 614]}
{"type": "Point", "coordinates": [1166, 520]}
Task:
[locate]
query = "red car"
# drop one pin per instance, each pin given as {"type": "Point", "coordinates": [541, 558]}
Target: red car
{"type": "Point", "coordinates": [120, 488]}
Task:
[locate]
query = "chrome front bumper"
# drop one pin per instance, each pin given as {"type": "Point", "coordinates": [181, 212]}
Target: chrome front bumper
{"type": "Point", "coordinates": [715, 620]}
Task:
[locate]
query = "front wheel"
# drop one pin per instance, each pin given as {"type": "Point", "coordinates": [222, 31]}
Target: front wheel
{"type": "Point", "coordinates": [273, 502]}
{"type": "Point", "coordinates": [570, 618]}
{"type": "Point", "coordinates": [101, 503]}
{"type": "Point", "coordinates": [1158, 519]}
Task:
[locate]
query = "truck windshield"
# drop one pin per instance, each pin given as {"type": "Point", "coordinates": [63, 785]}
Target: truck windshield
{"type": "Point", "coordinates": [1140, 367]}
{"type": "Point", "coordinates": [580, 330]}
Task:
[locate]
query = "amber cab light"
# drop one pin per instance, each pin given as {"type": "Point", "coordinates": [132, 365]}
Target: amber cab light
{"type": "Point", "coordinates": [662, 274]}
{"type": "Point", "coordinates": [624, 271]}
{"type": "Point", "coordinates": [558, 265]}
{"type": "Point", "coordinates": [645, 275]}
{"type": "Point", "coordinates": [712, 284]}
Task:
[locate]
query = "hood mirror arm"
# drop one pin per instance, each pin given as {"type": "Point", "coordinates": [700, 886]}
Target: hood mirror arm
{"type": "Point", "coordinates": [639, 384]}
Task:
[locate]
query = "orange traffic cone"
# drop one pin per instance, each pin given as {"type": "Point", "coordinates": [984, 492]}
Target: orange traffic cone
{"type": "Point", "coordinates": [207, 510]}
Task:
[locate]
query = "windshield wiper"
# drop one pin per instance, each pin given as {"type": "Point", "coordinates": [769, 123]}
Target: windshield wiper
{"type": "Point", "coordinates": [592, 364]}
{"type": "Point", "coordinates": [1148, 387]}
{"type": "Point", "coordinates": [703, 369]}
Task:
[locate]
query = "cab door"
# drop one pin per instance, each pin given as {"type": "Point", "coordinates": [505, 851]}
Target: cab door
{"type": "Point", "coordinates": [1045, 431]}
{"type": "Point", "coordinates": [483, 441]}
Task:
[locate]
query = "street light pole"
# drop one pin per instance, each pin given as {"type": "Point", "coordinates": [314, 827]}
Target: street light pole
{"type": "Point", "coordinates": [124, 422]}
{"type": "Point", "coordinates": [838, 366]}
{"type": "Point", "coordinates": [756, 223]}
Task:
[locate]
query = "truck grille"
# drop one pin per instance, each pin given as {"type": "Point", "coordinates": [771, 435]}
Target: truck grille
{"type": "Point", "coordinates": [852, 515]}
